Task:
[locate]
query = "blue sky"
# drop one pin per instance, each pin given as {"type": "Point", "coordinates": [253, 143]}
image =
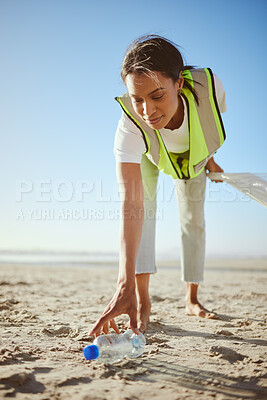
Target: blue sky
{"type": "Point", "coordinates": [60, 72]}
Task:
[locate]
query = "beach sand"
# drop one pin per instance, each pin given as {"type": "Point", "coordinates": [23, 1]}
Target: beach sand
{"type": "Point", "coordinates": [46, 313]}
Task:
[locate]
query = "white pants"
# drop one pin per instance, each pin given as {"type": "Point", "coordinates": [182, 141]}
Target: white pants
{"type": "Point", "coordinates": [190, 195]}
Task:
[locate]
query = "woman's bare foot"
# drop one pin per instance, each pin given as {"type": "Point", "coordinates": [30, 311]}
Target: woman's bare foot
{"type": "Point", "coordinates": [143, 315]}
{"type": "Point", "coordinates": [198, 310]}
{"type": "Point", "coordinates": [192, 305]}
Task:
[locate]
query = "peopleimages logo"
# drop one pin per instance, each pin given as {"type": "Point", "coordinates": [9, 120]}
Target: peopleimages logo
{"type": "Point", "coordinates": [88, 200]}
{"type": "Point", "coordinates": [79, 191]}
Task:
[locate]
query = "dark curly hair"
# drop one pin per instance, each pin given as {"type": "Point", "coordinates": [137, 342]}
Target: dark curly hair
{"type": "Point", "coordinates": [155, 53]}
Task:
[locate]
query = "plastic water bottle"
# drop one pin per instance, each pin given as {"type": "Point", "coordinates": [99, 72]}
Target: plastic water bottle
{"type": "Point", "coordinates": [113, 347]}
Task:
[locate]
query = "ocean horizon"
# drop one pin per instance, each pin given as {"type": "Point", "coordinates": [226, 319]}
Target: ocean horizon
{"type": "Point", "coordinates": [83, 258]}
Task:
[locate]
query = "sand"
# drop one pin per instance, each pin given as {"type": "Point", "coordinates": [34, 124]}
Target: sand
{"type": "Point", "coordinates": [46, 313]}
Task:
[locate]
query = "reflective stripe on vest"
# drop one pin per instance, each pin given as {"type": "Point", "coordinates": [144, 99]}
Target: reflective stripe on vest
{"type": "Point", "coordinates": [206, 131]}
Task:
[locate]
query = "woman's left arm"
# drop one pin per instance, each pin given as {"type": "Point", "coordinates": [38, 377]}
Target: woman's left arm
{"type": "Point", "coordinates": [212, 166]}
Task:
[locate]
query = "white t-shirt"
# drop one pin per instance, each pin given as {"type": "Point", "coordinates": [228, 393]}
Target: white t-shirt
{"type": "Point", "coordinates": [129, 145]}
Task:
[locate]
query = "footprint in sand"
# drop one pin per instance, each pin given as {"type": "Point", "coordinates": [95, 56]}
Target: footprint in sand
{"type": "Point", "coordinates": [224, 332]}
{"type": "Point", "coordinates": [225, 353]}
{"type": "Point", "coordinates": [156, 298]}
{"type": "Point", "coordinates": [228, 326]}
{"type": "Point", "coordinates": [16, 356]}
{"type": "Point", "coordinates": [62, 331]}
{"type": "Point", "coordinates": [8, 304]}
{"type": "Point", "coordinates": [159, 299]}
{"type": "Point", "coordinates": [20, 380]}
{"type": "Point", "coordinates": [155, 339]}
{"type": "Point", "coordinates": [156, 326]}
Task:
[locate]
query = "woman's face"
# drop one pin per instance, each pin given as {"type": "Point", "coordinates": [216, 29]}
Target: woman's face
{"type": "Point", "coordinates": [155, 98]}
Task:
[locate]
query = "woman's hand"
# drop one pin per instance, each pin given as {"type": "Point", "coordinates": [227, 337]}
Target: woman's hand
{"type": "Point", "coordinates": [123, 302]}
{"type": "Point", "coordinates": [211, 166]}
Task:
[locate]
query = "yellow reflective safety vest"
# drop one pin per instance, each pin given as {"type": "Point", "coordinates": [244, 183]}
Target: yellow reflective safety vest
{"type": "Point", "coordinates": [206, 130]}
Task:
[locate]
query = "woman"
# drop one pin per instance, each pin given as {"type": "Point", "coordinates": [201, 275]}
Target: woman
{"type": "Point", "coordinates": [170, 122]}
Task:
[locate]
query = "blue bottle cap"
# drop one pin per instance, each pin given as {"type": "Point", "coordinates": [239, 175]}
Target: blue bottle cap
{"type": "Point", "coordinates": [91, 352]}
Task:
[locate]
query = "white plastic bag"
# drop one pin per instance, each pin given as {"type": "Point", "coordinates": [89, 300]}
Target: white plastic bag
{"type": "Point", "coordinates": [253, 185]}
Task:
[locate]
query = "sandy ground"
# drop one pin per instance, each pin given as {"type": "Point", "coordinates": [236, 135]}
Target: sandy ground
{"type": "Point", "coordinates": [46, 313]}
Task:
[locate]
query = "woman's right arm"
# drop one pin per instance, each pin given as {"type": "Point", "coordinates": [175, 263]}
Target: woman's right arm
{"type": "Point", "coordinates": [124, 300]}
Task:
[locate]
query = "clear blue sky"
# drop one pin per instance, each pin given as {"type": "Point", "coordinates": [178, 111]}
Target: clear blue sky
{"type": "Point", "coordinates": [59, 73]}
